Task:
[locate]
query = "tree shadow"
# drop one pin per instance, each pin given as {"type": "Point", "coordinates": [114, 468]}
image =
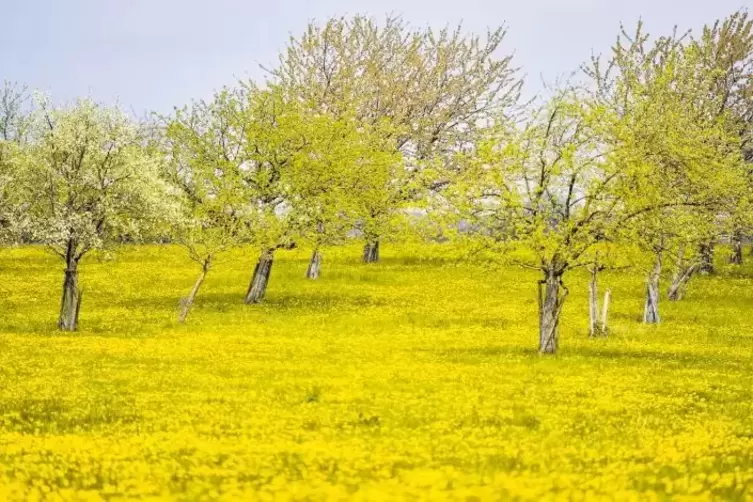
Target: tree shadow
{"type": "Point", "coordinates": [482, 354]}
{"type": "Point", "coordinates": [472, 354]}
{"type": "Point", "coordinates": [653, 356]}
{"type": "Point", "coordinates": [301, 300]}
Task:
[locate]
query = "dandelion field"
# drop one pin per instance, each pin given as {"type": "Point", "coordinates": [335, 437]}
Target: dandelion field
{"type": "Point", "coordinates": [415, 378]}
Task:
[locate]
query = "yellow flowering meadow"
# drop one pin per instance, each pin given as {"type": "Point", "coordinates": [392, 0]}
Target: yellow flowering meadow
{"type": "Point", "coordinates": [415, 378]}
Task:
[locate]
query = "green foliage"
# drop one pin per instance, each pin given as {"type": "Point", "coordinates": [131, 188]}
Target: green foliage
{"type": "Point", "coordinates": [436, 89]}
{"type": "Point", "coordinates": [205, 155]}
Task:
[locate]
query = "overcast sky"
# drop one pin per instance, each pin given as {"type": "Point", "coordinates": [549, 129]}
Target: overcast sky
{"type": "Point", "coordinates": [154, 54]}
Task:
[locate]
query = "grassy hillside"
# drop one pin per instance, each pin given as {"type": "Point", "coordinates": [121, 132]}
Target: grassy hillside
{"type": "Point", "coordinates": [413, 378]}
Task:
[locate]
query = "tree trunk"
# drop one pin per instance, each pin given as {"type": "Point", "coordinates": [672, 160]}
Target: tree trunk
{"type": "Point", "coordinates": [315, 265]}
{"type": "Point", "coordinates": [707, 258]}
{"type": "Point", "coordinates": [371, 251]}
{"type": "Point", "coordinates": [680, 282]}
{"type": "Point", "coordinates": [551, 300]}
{"type": "Point", "coordinates": [605, 313]}
{"type": "Point", "coordinates": [258, 287]}
{"type": "Point", "coordinates": [683, 273]}
{"type": "Point", "coordinates": [71, 302]}
{"type": "Point", "coordinates": [593, 301]}
{"type": "Point", "coordinates": [737, 249]}
{"type": "Point", "coordinates": [188, 302]}
{"type": "Point", "coordinates": [651, 310]}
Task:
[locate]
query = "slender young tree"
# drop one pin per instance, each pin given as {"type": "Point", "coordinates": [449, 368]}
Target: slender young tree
{"type": "Point", "coordinates": [88, 182]}
{"type": "Point", "coordinates": [206, 155]}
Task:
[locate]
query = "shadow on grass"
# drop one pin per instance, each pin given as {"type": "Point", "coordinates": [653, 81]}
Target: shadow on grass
{"type": "Point", "coordinates": [483, 354]}
{"type": "Point", "coordinates": [303, 301]}
{"type": "Point", "coordinates": [480, 354]}
{"type": "Point", "coordinates": [684, 359]}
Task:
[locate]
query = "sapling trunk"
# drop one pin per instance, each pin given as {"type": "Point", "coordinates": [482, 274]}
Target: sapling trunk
{"type": "Point", "coordinates": [593, 301]}
{"type": "Point", "coordinates": [371, 251]}
{"type": "Point", "coordinates": [314, 265]}
{"type": "Point", "coordinates": [258, 287]}
{"type": "Point", "coordinates": [71, 302]}
{"type": "Point", "coordinates": [651, 309]}
{"type": "Point", "coordinates": [188, 302]}
{"type": "Point", "coordinates": [551, 300]}
{"type": "Point", "coordinates": [737, 249]}
{"type": "Point", "coordinates": [707, 258]}
{"type": "Point", "coordinates": [605, 313]}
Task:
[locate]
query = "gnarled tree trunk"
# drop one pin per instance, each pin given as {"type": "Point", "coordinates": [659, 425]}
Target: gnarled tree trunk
{"type": "Point", "coordinates": [314, 265]}
{"type": "Point", "coordinates": [684, 271]}
{"type": "Point", "coordinates": [737, 249]}
{"type": "Point", "coordinates": [188, 302]}
{"type": "Point", "coordinates": [258, 287]}
{"type": "Point", "coordinates": [551, 300]}
{"type": "Point", "coordinates": [71, 301]}
{"type": "Point", "coordinates": [680, 282]}
{"type": "Point", "coordinates": [371, 251]}
{"type": "Point", "coordinates": [707, 258]}
{"type": "Point", "coordinates": [651, 309]}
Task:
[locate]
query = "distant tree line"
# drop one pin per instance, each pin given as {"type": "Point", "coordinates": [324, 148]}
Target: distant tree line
{"type": "Point", "coordinates": [649, 148]}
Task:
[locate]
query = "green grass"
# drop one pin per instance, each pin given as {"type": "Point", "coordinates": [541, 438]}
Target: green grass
{"type": "Point", "coordinates": [414, 378]}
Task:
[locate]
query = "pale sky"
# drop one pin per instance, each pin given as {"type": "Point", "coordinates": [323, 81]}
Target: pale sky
{"type": "Point", "coordinates": [154, 54]}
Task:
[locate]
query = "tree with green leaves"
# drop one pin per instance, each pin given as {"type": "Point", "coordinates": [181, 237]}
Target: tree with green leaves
{"type": "Point", "coordinates": [657, 91]}
{"type": "Point", "coordinates": [609, 162]}
{"type": "Point", "coordinates": [437, 89]}
{"type": "Point", "coordinates": [725, 53]}
{"type": "Point", "coordinates": [205, 158]}
{"type": "Point", "coordinates": [274, 135]}
{"type": "Point", "coordinates": [334, 176]}
{"type": "Point", "coordinates": [544, 193]}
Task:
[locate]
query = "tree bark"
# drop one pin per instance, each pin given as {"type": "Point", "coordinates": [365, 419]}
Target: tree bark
{"type": "Point", "coordinates": [651, 309]}
{"type": "Point", "coordinates": [258, 287]}
{"type": "Point", "coordinates": [188, 302]}
{"type": "Point", "coordinates": [71, 302]}
{"type": "Point", "coordinates": [315, 265]}
{"type": "Point", "coordinates": [683, 273]}
{"type": "Point", "coordinates": [551, 300]}
{"type": "Point", "coordinates": [605, 313]}
{"type": "Point", "coordinates": [707, 258]}
{"type": "Point", "coordinates": [371, 251]}
{"type": "Point", "coordinates": [593, 301]}
{"type": "Point", "coordinates": [680, 282]}
{"type": "Point", "coordinates": [737, 249]}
